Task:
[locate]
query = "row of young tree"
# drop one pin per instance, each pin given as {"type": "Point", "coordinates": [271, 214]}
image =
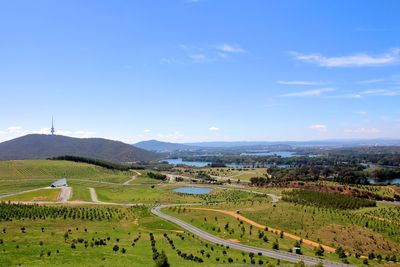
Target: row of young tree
{"type": "Point", "coordinates": [326, 200]}
{"type": "Point", "coordinates": [157, 176]}
{"type": "Point", "coordinates": [9, 212]}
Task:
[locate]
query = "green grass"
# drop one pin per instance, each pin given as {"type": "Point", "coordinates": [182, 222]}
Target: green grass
{"type": "Point", "coordinates": [38, 195]}
{"type": "Point", "coordinates": [46, 169]}
{"type": "Point", "coordinates": [12, 185]}
{"type": "Point", "coordinates": [308, 222]}
{"type": "Point", "coordinates": [80, 193]}
{"type": "Point", "coordinates": [31, 248]}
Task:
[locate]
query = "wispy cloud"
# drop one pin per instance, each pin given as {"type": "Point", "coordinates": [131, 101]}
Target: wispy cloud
{"type": "Point", "coordinates": [371, 92]}
{"type": "Point", "coordinates": [310, 93]}
{"type": "Point", "coordinates": [319, 127]}
{"type": "Point", "coordinates": [356, 60]}
{"type": "Point", "coordinates": [208, 54]}
{"type": "Point", "coordinates": [370, 81]}
{"type": "Point", "coordinates": [18, 131]}
{"type": "Point", "coordinates": [200, 58]}
{"type": "Point", "coordinates": [228, 48]}
{"type": "Point", "coordinates": [301, 83]}
{"type": "Point", "coordinates": [147, 130]}
{"type": "Point", "coordinates": [213, 129]}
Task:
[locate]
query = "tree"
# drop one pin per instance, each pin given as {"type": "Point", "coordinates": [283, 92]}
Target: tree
{"type": "Point", "coordinates": [275, 245]}
{"type": "Point", "coordinates": [162, 260]}
{"type": "Point", "coordinates": [319, 251]}
{"type": "Point", "coordinates": [341, 253]}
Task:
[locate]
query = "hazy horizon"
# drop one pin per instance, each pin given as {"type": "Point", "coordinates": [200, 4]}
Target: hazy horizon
{"type": "Point", "coordinates": [195, 71]}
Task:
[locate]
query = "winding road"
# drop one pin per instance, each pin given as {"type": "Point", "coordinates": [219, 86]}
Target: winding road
{"type": "Point", "coordinates": [276, 254]}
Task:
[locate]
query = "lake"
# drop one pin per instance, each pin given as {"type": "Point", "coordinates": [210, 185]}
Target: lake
{"type": "Point", "coordinates": [385, 181]}
{"type": "Point", "coordinates": [193, 190]}
{"type": "Point", "coordinates": [283, 154]}
{"type": "Point", "coordinates": [233, 165]}
{"type": "Point", "coordinates": [188, 163]}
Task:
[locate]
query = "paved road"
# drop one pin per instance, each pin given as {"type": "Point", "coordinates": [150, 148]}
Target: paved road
{"type": "Point", "coordinates": [276, 254]}
{"type": "Point", "coordinates": [65, 194]}
{"type": "Point", "coordinates": [93, 194]}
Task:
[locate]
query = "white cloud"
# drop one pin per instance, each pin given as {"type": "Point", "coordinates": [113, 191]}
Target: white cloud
{"type": "Point", "coordinates": [227, 48]}
{"type": "Point", "coordinates": [356, 60]}
{"type": "Point", "coordinates": [370, 81]}
{"type": "Point", "coordinates": [310, 93]}
{"type": "Point", "coordinates": [307, 83]}
{"type": "Point", "coordinates": [18, 131]}
{"type": "Point", "coordinates": [207, 54]}
{"type": "Point", "coordinates": [200, 58]}
{"type": "Point", "coordinates": [319, 127]}
{"type": "Point", "coordinates": [14, 129]}
{"type": "Point", "coordinates": [378, 92]}
{"type": "Point", "coordinates": [147, 130]}
{"type": "Point", "coordinates": [213, 129]}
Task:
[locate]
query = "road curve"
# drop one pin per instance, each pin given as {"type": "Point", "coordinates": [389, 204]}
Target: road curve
{"type": "Point", "coordinates": [276, 254]}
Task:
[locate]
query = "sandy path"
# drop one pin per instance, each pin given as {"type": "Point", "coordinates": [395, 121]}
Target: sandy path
{"type": "Point", "coordinates": [65, 194]}
{"type": "Point", "coordinates": [295, 237]}
{"type": "Point", "coordinates": [93, 194]}
{"type": "Point", "coordinates": [132, 179]}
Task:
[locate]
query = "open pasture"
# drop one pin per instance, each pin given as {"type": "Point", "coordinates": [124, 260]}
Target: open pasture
{"type": "Point", "coordinates": [95, 236]}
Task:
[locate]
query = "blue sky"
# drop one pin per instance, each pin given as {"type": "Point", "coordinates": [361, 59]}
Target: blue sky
{"type": "Point", "coordinates": [202, 70]}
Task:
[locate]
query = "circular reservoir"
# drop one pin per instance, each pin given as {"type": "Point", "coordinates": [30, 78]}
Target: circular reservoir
{"type": "Point", "coordinates": [193, 190]}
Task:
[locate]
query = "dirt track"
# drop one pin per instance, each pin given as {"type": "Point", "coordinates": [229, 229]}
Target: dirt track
{"type": "Point", "coordinates": [295, 237]}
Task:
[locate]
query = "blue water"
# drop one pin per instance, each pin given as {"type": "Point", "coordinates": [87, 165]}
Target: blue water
{"type": "Point", "coordinates": [205, 164]}
{"type": "Point", "coordinates": [188, 163]}
{"type": "Point", "coordinates": [385, 181]}
{"type": "Point", "coordinates": [193, 190]}
{"type": "Point", "coordinates": [283, 154]}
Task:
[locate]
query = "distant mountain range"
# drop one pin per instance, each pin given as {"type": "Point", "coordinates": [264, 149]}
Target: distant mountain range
{"type": "Point", "coordinates": [36, 146]}
{"type": "Point", "coordinates": [159, 146]}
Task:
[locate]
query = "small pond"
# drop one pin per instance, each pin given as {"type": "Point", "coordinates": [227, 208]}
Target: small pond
{"type": "Point", "coordinates": [193, 190]}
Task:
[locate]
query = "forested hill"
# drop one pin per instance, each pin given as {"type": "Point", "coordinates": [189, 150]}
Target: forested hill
{"type": "Point", "coordinates": [158, 146]}
{"type": "Point", "coordinates": [36, 146]}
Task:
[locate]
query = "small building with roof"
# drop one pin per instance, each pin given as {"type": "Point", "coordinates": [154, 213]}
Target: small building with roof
{"type": "Point", "coordinates": [59, 183]}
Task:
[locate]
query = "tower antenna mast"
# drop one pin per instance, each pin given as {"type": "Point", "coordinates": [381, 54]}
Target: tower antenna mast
{"type": "Point", "coordinates": [52, 126]}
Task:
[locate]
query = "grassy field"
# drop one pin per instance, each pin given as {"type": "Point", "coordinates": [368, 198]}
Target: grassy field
{"type": "Point", "coordinates": [330, 228]}
{"type": "Point", "coordinates": [234, 174]}
{"type": "Point", "coordinates": [52, 169]}
{"type": "Point", "coordinates": [76, 242]}
{"type": "Point", "coordinates": [38, 195]}
{"type": "Point", "coordinates": [23, 241]}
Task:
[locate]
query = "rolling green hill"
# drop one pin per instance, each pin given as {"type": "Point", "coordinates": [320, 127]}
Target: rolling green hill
{"type": "Point", "coordinates": [35, 169]}
{"type": "Point", "coordinates": [39, 146]}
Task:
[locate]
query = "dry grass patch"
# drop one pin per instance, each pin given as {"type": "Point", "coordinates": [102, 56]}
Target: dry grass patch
{"type": "Point", "coordinates": [356, 239]}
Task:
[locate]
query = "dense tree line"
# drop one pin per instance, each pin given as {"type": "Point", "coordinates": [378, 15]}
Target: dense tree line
{"type": "Point", "coordinates": [157, 176]}
{"type": "Point", "coordinates": [97, 162]}
{"type": "Point", "coordinates": [326, 200]}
